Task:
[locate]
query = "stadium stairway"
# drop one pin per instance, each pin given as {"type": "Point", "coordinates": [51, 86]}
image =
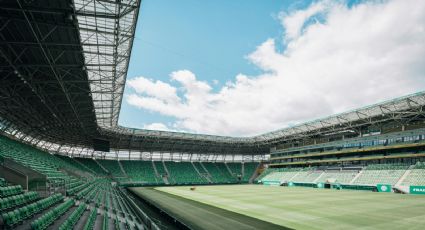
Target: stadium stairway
{"type": "Point", "coordinates": [92, 165]}
{"type": "Point", "coordinates": [218, 172]}
{"type": "Point", "coordinates": [255, 174]}
{"type": "Point", "coordinates": [235, 169]}
{"type": "Point", "coordinates": [416, 175]}
{"type": "Point", "coordinates": [228, 169]}
{"type": "Point", "coordinates": [406, 174]}
{"type": "Point", "coordinates": [155, 170]}
{"type": "Point", "coordinates": [183, 173]}
{"type": "Point", "coordinates": [160, 171]}
{"type": "Point", "coordinates": [77, 164]}
{"type": "Point", "coordinates": [222, 167]}
{"type": "Point", "coordinates": [167, 173]}
{"type": "Point", "coordinates": [381, 174]}
{"type": "Point", "coordinates": [206, 173]}
{"type": "Point", "coordinates": [114, 169]}
{"type": "Point", "coordinates": [141, 171]}
{"type": "Point", "coordinates": [122, 170]}
{"type": "Point", "coordinates": [357, 176]}
{"type": "Point", "coordinates": [101, 166]}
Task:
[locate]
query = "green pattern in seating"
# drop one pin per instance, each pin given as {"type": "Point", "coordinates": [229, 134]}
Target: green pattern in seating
{"type": "Point", "coordinates": [307, 176]}
{"type": "Point", "coordinates": [72, 161]}
{"type": "Point", "coordinates": [10, 190]}
{"type": "Point", "coordinates": [160, 168]}
{"type": "Point", "coordinates": [91, 220]}
{"type": "Point", "coordinates": [12, 201]}
{"type": "Point", "coordinates": [48, 218]}
{"type": "Point", "coordinates": [381, 174]}
{"type": "Point", "coordinates": [415, 177]}
{"type": "Point", "coordinates": [235, 168]}
{"type": "Point", "coordinates": [279, 176]}
{"type": "Point", "coordinates": [13, 217]}
{"type": "Point", "coordinates": [105, 225]}
{"type": "Point", "coordinates": [112, 166]}
{"type": "Point", "coordinates": [184, 172]}
{"type": "Point", "coordinates": [249, 169]}
{"type": "Point", "coordinates": [342, 177]}
{"type": "Point", "coordinates": [73, 218]}
{"type": "Point", "coordinates": [141, 171]}
{"type": "Point", "coordinates": [91, 164]}
{"type": "Point", "coordinates": [38, 160]}
{"type": "Point", "coordinates": [218, 172]}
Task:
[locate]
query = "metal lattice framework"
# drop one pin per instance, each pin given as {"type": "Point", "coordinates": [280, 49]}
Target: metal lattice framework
{"type": "Point", "coordinates": [402, 110]}
{"type": "Point", "coordinates": [62, 75]}
{"type": "Point", "coordinates": [107, 31]}
{"type": "Point", "coordinates": [44, 87]}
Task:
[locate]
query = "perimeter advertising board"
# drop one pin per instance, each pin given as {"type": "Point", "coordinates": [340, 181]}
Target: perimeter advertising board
{"type": "Point", "coordinates": [383, 187]}
{"type": "Point", "coordinates": [271, 182]}
{"type": "Point", "coordinates": [417, 190]}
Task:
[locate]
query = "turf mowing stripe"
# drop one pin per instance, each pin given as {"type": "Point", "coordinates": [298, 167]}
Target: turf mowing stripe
{"type": "Point", "coordinates": [198, 215]}
{"type": "Point", "coordinates": [310, 208]}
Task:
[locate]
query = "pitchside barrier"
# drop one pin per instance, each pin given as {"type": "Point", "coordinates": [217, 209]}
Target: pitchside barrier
{"type": "Point", "coordinates": [359, 187]}
{"type": "Point", "coordinates": [271, 182]}
{"type": "Point", "coordinates": [383, 187]}
{"type": "Point", "coordinates": [377, 188]}
{"type": "Point", "coordinates": [417, 190]}
{"type": "Point", "coordinates": [337, 186]}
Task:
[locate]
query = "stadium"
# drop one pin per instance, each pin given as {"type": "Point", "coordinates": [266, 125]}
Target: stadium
{"type": "Point", "coordinates": [67, 163]}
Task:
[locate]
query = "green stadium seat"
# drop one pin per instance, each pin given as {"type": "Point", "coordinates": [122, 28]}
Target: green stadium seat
{"type": "Point", "coordinates": [48, 218]}
{"type": "Point", "coordinates": [73, 218]}
{"type": "Point", "coordinates": [91, 220]}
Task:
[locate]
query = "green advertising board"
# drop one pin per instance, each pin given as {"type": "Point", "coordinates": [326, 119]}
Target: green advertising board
{"type": "Point", "coordinates": [271, 182]}
{"type": "Point", "coordinates": [336, 186]}
{"type": "Point", "coordinates": [417, 190]}
{"type": "Point", "coordinates": [383, 187]}
{"type": "Point", "coordinates": [290, 184]}
{"type": "Point", "coordinates": [320, 185]}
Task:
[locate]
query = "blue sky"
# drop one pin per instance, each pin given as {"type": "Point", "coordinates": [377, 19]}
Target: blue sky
{"type": "Point", "coordinates": [193, 34]}
{"type": "Point", "coordinates": [220, 47]}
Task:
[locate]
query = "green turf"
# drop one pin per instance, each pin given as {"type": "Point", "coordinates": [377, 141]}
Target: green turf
{"type": "Point", "coordinates": [309, 208]}
{"type": "Point", "coordinates": [197, 215]}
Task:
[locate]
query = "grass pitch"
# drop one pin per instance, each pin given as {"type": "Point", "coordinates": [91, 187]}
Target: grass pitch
{"type": "Point", "coordinates": [308, 208]}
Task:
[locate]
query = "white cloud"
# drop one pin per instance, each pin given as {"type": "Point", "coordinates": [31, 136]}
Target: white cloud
{"type": "Point", "coordinates": [296, 20]}
{"type": "Point", "coordinates": [355, 57]}
{"type": "Point", "coordinates": [156, 126]}
{"type": "Point", "coordinates": [157, 89]}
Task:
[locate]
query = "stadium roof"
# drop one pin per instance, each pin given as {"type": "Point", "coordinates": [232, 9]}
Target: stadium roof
{"type": "Point", "coordinates": [106, 32]}
{"type": "Point", "coordinates": [63, 69]}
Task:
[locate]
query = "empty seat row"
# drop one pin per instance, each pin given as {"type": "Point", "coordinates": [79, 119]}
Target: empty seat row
{"type": "Point", "coordinates": [73, 218]}
{"type": "Point", "coordinates": [91, 195]}
{"type": "Point", "coordinates": [91, 220]}
{"type": "Point", "coordinates": [73, 190]}
{"type": "Point", "coordinates": [73, 184]}
{"type": "Point", "coordinates": [81, 194]}
{"type": "Point", "coordinates": [10, 190]}
{"type": "Point", "coordinates": [13, 217]}
{"type": "Point", "coordinates": [105, 225]}
{"type": "Point", "coordinates": [12, 201]}
{"type": "Point", "coordinates": [141, 171]}
{"type": "Point", "coordinates": [48, 218]}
